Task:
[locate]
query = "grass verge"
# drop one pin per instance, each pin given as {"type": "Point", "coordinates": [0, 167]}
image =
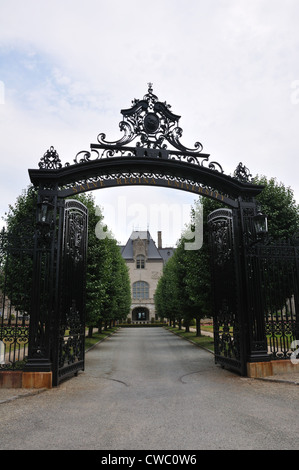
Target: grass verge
{"type": "Point", "coordinates": [97, 337]}
{"type": "Point", "coordinates": [203, 341]}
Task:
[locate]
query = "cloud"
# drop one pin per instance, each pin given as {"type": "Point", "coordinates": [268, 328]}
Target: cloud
{"type": "Point", "coordinates": [225, 66]}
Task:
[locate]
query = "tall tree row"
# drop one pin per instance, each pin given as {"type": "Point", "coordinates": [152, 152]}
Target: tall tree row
{"type": "Point", "coordinates": [184, 290]}
{"type": "Point", "coordinates": [108, 295]}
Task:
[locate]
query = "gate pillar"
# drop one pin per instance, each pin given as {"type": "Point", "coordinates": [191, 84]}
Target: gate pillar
{"type": "Point", "coordinates": [251, 292]}
{"type": "Point", "coordinates": [68, 325]}
{"type": "Point", "coordinates": [43, 282]}
{"type": "Point", "coordinates": [239, 324]}
{"type": "Point", "coordinates": [229, 312]}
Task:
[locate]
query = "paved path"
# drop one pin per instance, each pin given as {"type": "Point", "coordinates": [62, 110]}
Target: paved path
{"type": "Point", "coordinates": [147, 389]}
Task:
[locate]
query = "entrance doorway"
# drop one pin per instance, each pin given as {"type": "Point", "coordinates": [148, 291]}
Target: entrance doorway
{"type": "Point", "coordinates": [140, 314]}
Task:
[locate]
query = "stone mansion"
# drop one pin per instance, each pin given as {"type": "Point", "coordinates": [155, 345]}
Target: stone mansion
{"type": "Point", "coordinates": [145, 261]}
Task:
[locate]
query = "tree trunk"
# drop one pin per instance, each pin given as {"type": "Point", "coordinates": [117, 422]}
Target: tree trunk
{"type": "Point", "coordinates": [198, 330]}
{"type": "Point", "coordinates": [90, 329]}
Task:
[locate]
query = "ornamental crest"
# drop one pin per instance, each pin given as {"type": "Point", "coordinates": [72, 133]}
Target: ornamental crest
{"type": "Point", "coordinates": [153, 123]}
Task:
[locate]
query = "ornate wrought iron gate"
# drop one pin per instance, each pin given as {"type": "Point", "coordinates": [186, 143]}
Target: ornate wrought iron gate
{"type": "Point", "coordinates": [69, 328]}
{"type": "Point", "coordinates": [229, 325]}
{"type": "Point", "coordinates": [56, 339]}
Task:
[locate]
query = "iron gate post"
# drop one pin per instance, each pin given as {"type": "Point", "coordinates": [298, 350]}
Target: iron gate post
{"type": "Point", "coordinates": [43, 282]}
{"type": "Point", "coordinates": [256, 341]}
{"type": "Point", "coordinates": [68, 326]}
{"type": "Point", "coordinates": [228, 310]}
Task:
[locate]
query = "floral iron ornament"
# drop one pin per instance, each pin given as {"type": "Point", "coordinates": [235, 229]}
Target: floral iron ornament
{"type": "Point", "coordinates": [153, 122]}
{"type": "Point", "coordinates": [154, 126]}
{"type": "Point", "coordinates": [50, 160]}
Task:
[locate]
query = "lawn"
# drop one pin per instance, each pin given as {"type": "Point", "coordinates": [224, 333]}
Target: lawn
{"type": "Point", "coordinates": [96, 337]}
{"type": "Point", "coordinates": [203, 341]}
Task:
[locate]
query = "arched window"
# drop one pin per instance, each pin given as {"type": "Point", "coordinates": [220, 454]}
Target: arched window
{"type": "Point", "coordinates": [140, 262]}
{"type": "Point", "coordinates": [140, 290]}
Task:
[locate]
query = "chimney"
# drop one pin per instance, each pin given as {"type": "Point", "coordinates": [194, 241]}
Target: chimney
{"type": "Point", "coordinates": [159, 240]}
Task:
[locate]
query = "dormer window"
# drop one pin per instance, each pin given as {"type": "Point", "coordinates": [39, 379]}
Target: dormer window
{"type": "Point", "coordinates": [140, 262]}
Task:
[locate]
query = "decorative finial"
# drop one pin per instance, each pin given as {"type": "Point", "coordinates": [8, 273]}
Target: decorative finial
{"type": "Point", "coordinates": [242, 173]}
{"type": "Point", "coordinates": [150, 87]}
{"type": "Point", "coordinates": [50, 160]}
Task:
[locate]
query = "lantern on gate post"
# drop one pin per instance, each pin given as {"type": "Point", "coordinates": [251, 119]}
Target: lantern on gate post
{"type": "Point", "coordinates": [260, 222]}
{"type": "Point", "coordinates": [45, 213]}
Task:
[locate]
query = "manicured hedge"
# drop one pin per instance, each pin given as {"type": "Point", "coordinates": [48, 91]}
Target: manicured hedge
{"type": "Point", "coordinates": [141, 325]}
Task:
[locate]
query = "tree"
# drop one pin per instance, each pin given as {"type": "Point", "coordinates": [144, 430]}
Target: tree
{"type": "Point", "coordinates": [278, 203]}
{"type": "Point", "coordinates": [167, 293]}
{"type": "Point", "coordinates": [17, 250]}
{"type": "Point", "coordinates": [115, 293]}
{"type": "Point", "coordinates": [107, 279]}
{"type": "Point", "coordinates": [108, 295]}
{"type": "Point", "coordinates": [183, 291]}
{"type": "Point", "coordinates": [198, 278]}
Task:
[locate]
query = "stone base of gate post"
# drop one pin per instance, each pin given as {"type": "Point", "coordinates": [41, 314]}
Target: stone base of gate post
{"type": "Point", "coordinates": [37, 380]}
{"type": "Point", "coordinates": [271, 368]}
{"type": "Point", "coordinates": [259, 369]}
{"type": "Point", "coordinates": [11, 379]}
{"type": "Point", "coordinates": [19, 379]}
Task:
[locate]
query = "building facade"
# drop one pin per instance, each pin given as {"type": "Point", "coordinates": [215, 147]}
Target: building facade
{"type": "Point", "coordinates": [145, 261]}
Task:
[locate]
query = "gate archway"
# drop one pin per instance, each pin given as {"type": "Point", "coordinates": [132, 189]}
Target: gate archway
{"type": "Point", "coordinates": [157, 159]}
{"type": "Point", "coordinates": [140, 314]}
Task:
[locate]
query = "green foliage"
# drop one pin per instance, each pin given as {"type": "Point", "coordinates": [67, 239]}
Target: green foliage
{"type": "Point", "coordinates": [166, 295]}
{"type": "Point", "coordinates": [20, 220]}
{"type": "Point", "coordinates": [278, 203]}
{"type": "Point", "coordinates": [184, 290]}
{"type": "Point", "coordinates": [17, 250]}
{"type": "Point", "coordinates": [108, 295]}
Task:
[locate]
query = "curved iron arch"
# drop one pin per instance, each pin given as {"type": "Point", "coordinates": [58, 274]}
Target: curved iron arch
{"type": "Point", "coordinates": [150, 171]}
{"type": "Point", "coordinates": [150, 162]}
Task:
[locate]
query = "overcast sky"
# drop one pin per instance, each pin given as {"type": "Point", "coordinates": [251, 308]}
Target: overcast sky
{"type": "Point", "coordinates": [229, 68]}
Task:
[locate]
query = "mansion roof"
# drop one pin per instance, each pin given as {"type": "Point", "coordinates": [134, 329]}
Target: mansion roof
{"type": "Point", "coordinates": [153, 253]}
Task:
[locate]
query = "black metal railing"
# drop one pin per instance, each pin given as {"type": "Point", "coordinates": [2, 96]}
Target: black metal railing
{"type": "Point", "coordinates": [15, 294]}
{"type": "Point", "coordinates": [272, 273]}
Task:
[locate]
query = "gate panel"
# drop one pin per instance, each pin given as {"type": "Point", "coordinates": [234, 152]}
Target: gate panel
{"type": "Point", "coordinates": [228, 322]}
{"type": "Point", "coordinates": [16, 253]}
{"type": "Point", "coordinates": [272, 273]}
{"type": "Point", "coordinates": [69, 343]}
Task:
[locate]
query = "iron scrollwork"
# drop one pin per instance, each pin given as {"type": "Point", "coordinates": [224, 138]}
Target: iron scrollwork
{"type": "Point", "coordinates": [157, 133]}
{"type": "Point", "coordinates": [50, 160]}
{"type": "Point", "coordinates": [76, 233]}
{"type": "Point", "coordinates": [226, 318]}
{"type": "Point", "coordinates": [153, 122]}
{"type": "Point", "coordinates": [156, 126]}
{"type": "Point", "coordinates": [242, 173]}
